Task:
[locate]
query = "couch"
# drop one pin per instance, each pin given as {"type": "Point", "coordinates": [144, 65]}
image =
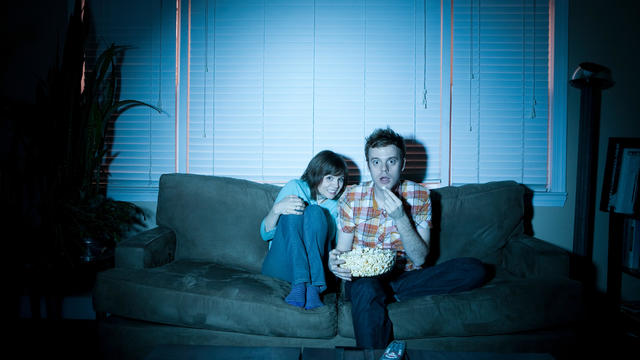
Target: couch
{"type": "Point", "coordinates": [195, 278]}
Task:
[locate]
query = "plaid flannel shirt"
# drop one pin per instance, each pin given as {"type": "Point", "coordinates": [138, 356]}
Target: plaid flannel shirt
{"type": "Point", "coordinates": [359, 214]}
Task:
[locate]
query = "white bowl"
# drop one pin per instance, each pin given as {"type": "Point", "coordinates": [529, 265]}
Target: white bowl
{"type": "Point", "coordinates": [367, 262]}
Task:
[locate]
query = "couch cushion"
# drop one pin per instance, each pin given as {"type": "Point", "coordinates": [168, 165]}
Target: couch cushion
{"type": "Point", "coordinates": [504, 305]}
{"type": "Point", "coordinates": [476, 220]}
{"type": "Point", "coordinates": [203, 295]}
{"type": "Point", "coordinates": [216, 218]}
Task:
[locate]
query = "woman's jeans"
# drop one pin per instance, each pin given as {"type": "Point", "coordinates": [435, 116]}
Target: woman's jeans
{"type": "Point", "coordinates": [299, 248]}
{"type": "Point", "coordinates": [369, 296]}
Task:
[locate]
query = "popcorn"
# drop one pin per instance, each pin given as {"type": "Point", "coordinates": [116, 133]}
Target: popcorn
{"type": "Point", "coordinates": [368, 261]}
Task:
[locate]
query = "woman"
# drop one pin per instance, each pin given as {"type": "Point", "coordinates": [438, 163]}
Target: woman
{"type": "Point", "coordinates": [302, 226]}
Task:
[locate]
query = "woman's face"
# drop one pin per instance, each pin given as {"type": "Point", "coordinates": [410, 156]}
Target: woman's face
{"type": "Point", "coordinates": [330, 186]}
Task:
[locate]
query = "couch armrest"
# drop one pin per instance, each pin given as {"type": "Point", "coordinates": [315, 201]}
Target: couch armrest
{"type": "Point", "coordinates": [150, 248]}
{"type": "Point", "coordinates": [527, 256]}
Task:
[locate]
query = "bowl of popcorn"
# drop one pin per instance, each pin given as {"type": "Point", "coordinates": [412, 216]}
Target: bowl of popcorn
{"type": "Point", "coordinates": [367, 262]}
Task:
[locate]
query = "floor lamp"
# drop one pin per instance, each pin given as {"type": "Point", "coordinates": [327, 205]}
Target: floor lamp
{"type": "Point", "coordinates": [591, 79]}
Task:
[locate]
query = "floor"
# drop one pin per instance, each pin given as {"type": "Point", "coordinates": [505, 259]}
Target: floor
{"type": "Point", "coordinates": [73, 333]}
{"type": "Point", "coordinates": [47, 325]}
{"type": "Point", "coordinates": [606, 339]}
{"type": "Point", "coordinates": [64, 338]}
{"type": "Point", "coordinates": [78, 339]}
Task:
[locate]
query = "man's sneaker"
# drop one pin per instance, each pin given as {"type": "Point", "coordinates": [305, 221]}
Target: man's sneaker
{"type": "Point", "coordinates": [394, 351]}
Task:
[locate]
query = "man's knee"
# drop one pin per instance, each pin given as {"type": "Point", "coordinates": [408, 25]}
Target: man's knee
{"type": "Point", "coordinates": [366, 290]}
{"type": "Point", "coordinates": [475, 269]}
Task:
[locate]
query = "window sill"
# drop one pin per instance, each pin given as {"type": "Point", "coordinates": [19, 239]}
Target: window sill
{"type": "Point", "coordinates": [540, 198]}
{"type": "Point", "coordinates": [543, 198]}
{"type": "Point", "coordinates": [133, 194]}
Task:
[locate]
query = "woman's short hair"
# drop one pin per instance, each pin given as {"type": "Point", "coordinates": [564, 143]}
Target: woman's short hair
{"type": "Point", "coordinates": [324, 163]}
{"type": "Point", "coordinates": [384, 137]}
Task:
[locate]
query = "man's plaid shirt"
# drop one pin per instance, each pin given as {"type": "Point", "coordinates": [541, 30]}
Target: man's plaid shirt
{"type": "Point", "coordinates": [359, 214]}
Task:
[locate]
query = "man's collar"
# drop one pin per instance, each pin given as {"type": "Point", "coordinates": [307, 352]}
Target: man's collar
{"type": "Point", "coordinates": [371, 192]}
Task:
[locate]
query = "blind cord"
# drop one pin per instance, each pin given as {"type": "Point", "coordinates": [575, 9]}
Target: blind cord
{"type": "Point", "coordinates": [471, 77]}
{"type": "Point", "coordinates": [206, 69]}
{"type": "Point", "coordinates": [424, 70]}
{"type": "Point", "coordinates": [534, 102]}
{"type": "Point", "coordinates": [213, 101]}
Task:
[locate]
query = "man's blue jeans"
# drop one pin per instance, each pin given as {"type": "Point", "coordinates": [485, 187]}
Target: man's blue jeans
{"type": "Point", "coordinates": [299, 248]}
{"type": "Point", "coordinates": [369, 296]}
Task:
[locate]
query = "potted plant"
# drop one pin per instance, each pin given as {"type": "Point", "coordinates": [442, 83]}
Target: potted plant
{"type": "Point", "coordinates": [76, 105]}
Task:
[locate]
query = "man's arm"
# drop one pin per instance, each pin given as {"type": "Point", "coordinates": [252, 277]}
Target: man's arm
{"type": "Point", "coordinates": [415, 241]}
{"type": "Point", "coordinates": [344, 243]}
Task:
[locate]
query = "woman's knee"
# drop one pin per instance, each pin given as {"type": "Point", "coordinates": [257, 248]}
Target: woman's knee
{"type": "Point", "coordinates": [313, 210]}
{"type": "Point", "coordinates": [288, 222]}
{"type": "Point", "coordinates": [315, 214]}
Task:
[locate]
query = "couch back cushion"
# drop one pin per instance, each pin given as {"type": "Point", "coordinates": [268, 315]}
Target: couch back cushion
{"type": "Point", "coordinates": [216, 218]}
{"type": "Point", "coordinates": [476, 220]}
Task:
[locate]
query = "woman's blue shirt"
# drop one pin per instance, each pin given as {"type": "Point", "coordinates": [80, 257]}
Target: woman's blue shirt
{"type": "Point", "coordinates": [301, 189]}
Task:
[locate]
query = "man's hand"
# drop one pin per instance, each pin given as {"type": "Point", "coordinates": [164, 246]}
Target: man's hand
{"type": "Point", "coordinates": [392, 204]}
{"type": "Point", "coordinates": [414, 240]}
{"type": "Point", "coordinates": [340, 272]}
{"type": "Point", "coordinates": [290, 205]}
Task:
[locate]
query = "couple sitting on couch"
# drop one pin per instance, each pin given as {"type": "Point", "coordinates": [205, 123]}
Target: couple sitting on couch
{"type": "Point", "coordinates": [388, 212]}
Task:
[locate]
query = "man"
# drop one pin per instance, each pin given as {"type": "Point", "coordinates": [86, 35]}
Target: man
{"type": "Point", "coordinates": [393, 214]}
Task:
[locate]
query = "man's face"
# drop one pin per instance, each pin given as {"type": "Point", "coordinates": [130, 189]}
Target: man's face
{"type": "Point", "coordinates": [385, 165]}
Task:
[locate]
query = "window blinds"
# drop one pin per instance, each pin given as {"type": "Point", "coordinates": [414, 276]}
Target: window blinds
{"type": "Point", "coordinates": [274, 82]}
{"type": "Point", "coordinates": [269, 83]}
{"type": "Point", "coordinates": [142, 142]}
{"type": "Point", "coordinates": [499, 103]}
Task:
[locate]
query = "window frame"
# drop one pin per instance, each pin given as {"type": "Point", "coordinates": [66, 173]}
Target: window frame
{"type": "Point", "coordinates": [558, 67]}
{"type": "Point", "coordinates": [556, 194]}
{"type": "Point", "coordinates": [559, 46]}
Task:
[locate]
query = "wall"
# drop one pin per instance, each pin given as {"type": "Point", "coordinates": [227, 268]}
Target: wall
{"type": "Point", "coordinates": [603, 32]}
{"type": "Point", "coordinates": [32, 31]}
{"type": "Point", "coordinates": [600, 32]}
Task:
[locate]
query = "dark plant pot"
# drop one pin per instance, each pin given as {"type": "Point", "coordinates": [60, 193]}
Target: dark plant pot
{"type": "Point", "coordinates": [92, 251]}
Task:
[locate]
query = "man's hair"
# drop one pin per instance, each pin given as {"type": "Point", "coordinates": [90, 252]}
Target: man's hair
{"type": "Point", "coordinates": [325, 162]}
{"type": "Point", "coordinates": [384, 137]}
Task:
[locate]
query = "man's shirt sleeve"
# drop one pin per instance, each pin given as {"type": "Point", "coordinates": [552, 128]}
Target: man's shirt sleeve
{"type": "Point", "coordinates": [422, 210]}
{"type": "Point", "coordinates": [345, 211]}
